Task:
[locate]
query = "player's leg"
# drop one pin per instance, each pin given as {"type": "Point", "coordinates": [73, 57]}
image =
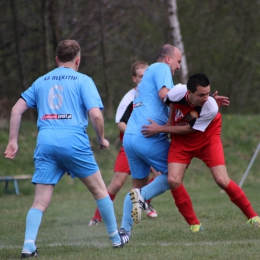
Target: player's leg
{"type": "Point", "coordinates": [83, 166]}
{"type": "Point", "coordinates": [178, 160]}
{"type": "Point", "coordinates": [117, 183]}
{"type": "Point", "coordinates": [140, 196]}
{"type": "Point", "coordinates": [113, 188]}
{"type": "Point", "coordinates": [121, 172]}
{"type": "Point", "coordinates": [142, 153]}
{"type": "Point", "coordinates": [235, 193]}
{"type": "Point", "coordinates": [97, 187]}
{"type": "Point", "coordinates": [46, 175]}
{"type": "Point", "coordinates": [127, 221]}
{"type": "Point", "coordinates": [140, 171]}
{"type": "Point", "coordinates": [43, 194]}
{"type": "Point", "coordinates": [150, 211]}
{"type": "Point", "coordinates": [181, 196]}
{"type": "Point", "coordinates": [213, 156]}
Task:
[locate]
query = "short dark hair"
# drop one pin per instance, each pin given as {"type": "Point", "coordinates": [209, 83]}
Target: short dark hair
{"type": "Point", "coordinates": [67, 50]}
{"type": "Point", "coordinates": [196, 80]}
{"type": "Point", "coordinates": [138, 65]}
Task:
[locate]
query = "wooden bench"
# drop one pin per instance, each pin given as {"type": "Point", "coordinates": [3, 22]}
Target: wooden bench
{"type": "Point", "coordinates": [15, 180]}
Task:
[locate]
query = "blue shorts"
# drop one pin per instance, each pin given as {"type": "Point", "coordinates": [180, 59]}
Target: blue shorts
{"type": "Point", "coordinates": [144, 152]}
{"type": "Point", "coordinates": [62, 150]}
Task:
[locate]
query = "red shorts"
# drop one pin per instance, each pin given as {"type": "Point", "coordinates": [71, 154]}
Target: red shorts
{"type": "Point", "coordinates": [211, 154]}
{"type": "Point", "coordinates": [121, 164]}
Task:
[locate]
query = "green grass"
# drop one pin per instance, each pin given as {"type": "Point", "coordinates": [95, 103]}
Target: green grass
{"type": "Point", "coordinates": [64, 233]}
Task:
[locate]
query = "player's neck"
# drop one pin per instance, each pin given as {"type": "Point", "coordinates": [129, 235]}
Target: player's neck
{"type": "Point", "coordinates": [67, 65]}
{"type": "Point", "coordinates": [189, 99]}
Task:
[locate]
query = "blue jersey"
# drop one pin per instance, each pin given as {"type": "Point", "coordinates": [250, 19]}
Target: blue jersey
{"type": "Point", "coordinates": [147, 103]}
{"type": "Point", "coordinates": [62, 97]}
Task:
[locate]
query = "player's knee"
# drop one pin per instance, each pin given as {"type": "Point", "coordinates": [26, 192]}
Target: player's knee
{"type": "Point", "coordinates": [173, 182]}
{"type": "Point", "coordinates": [115, 186]}
{"type": "Point", "coordinates": [222, 182]}
{"type": "Point", "coordinates": [118, 186]}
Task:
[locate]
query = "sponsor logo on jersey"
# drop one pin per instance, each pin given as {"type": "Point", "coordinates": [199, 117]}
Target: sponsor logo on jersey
{"type": "Point", "coordinates": [56, 116]}
{"type": "Point", "coordinates": [139, 104]}
{"type": "Point", "coordinates": [178, 115]}
{"type": "Point", "coordinates": [181, 119]}
{"type": "Point", "coordinates": [194, 114]}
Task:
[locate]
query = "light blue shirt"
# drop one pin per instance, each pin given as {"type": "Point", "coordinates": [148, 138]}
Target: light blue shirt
{"type": "Point", "coordinates": [62, 97]}
{"type": "Point", "coordinates": [147, 103]}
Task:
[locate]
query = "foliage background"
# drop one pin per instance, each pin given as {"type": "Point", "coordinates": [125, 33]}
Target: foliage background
{"type": "Point", "coordinates": [221, 38]}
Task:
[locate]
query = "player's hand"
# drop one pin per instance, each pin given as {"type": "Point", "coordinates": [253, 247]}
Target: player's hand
{"type": "Point", "coordinates": [152, 129]}
{"type": "Point", "coordinates": [221, 100]}
{"type": "Point", "coordinates": [103, 144]}
{"type": "Point", "coordinates": [11, 150]}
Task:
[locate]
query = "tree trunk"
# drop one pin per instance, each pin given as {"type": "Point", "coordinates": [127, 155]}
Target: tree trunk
{"type": "Point", "coordinates": [18, 46]}
{"type": "Point", "coordinates": [54, 19]}
{"type": "Point", "coordinates": [176, 37]}
{"type": "Point", "coordinates": [46, 29]}
{"type": "Point", "coordinates": [108, 90]}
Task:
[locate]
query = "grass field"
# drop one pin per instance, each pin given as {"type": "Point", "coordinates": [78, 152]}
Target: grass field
{"type": "Point", "coordinates": [64, 233]}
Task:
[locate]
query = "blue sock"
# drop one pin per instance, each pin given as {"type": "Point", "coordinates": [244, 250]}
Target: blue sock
{"type": "Point", "coordinates": [107, 213]}
{"type": "Point", "coordinates": [33, 221]}
{"type": "Point", "coordinates": [158, 186]}
{"type": "Point", "coordinates": [127, 221]}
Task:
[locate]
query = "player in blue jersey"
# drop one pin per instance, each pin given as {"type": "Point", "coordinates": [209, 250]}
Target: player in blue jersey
{"type": "Point", "coordinates": [121, 167]}
{"type": "Point", "coordinates": [145, 152]}
{"type": "Point", "coordinates": [63, 97]}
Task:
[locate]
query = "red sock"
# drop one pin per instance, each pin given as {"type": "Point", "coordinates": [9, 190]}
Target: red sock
{"type": "Point", "coordinates": [184, 204]}
{"type": "Point", "coordinates": [238, 197]}
{"type": "Point", "coordinates": [97, 213]}
{"type": "Point", "coordinates": [149, 201]}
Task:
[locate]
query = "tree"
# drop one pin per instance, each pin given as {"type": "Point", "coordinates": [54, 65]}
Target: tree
{"type": "Point", "coordinates": [177, 38]}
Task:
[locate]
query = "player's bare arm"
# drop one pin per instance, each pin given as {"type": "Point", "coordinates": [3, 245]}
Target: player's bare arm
{"type": "Point", "coordinates": [154, 128]}
{"type": "Point", "coordinates": [171, 115]}
{"type": "Point", "coordinates": [16, 115]}
{"type": "Point", "coordinates": [163, 92]}
{"type": "Point", "coordinates": [121, 126]}
{"type": "Point", "coordinates": [97, 120]}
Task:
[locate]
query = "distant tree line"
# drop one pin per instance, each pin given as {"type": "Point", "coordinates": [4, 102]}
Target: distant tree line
{"type": "Point", "coordinates": [221, 39]}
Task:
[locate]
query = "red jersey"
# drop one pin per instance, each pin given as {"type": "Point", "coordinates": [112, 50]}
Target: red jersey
{"type": "Point", "coordinates": [206, 119]}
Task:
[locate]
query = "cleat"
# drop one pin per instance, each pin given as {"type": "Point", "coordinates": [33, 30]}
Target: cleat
{"type": "Point", "coordinates": [196, 228]}
{"type": "Point", "coordinates": [94, 222]}
{"type": "Point", "coordinates": [255, 221]}
{"type": "Point", "coordinates": [138, 205]}
{"type": "Point", "coordinates": [150, 211]}
{"type": "Point", "coordinates": [28, 254]}
{"type": "Point", "coordinates": [118, 245]}
{"type": "Point", "coordinates": [125, 236]}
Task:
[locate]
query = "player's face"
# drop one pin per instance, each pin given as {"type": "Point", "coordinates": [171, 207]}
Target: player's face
{"type": "Point", "coordinates": [139, 74]}
{"type": "Point", "coordinates": [200, 96]}
{"type": "Point", "coordinates": [175, 61]}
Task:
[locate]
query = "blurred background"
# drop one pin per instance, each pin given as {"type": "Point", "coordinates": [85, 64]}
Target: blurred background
{"type": "Point", "coordinates": [220, 38]}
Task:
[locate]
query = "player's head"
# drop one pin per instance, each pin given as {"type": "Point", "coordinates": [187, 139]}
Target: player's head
{"type": "Point", "coordinates": [170, 55]}
{"type": "Point", "coordinates": [68, 51]}
{"type": "Point", "coordinates": [137, 70]}
{"type": "Point", "coordinates": [198, 86]}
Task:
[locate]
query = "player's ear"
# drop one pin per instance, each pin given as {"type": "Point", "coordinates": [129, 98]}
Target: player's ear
{"type": "Point", "coordinates": [77, 61]}
{"type": "Point", "coordinates": [168, 60]}
{"type": "Point", "coordinates": [57, 60]}
{"type": "Point", "coordinates": [134, 79]}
